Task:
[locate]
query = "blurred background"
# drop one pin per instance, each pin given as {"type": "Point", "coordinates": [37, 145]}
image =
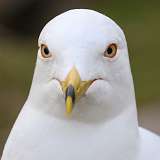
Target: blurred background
{"type": "Point", "coordinates": [21, 22]}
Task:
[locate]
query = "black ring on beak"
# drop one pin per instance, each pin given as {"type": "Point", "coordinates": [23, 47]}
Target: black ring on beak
{"type": "Point", "coordinates": [70, 92]}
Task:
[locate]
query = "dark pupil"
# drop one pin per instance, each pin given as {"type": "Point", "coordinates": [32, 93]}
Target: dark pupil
{"type": "Point", "coordinates": [46, 51]}
{"type": "Point", "coordinates": [109, 50]}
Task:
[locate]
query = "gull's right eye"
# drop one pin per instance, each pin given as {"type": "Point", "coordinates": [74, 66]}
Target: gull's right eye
{"type": "Point", "coordinates": [45, 51]}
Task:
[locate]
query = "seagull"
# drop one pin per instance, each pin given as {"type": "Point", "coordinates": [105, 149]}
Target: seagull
{"type": "Point", "coordinates": [81, 105]}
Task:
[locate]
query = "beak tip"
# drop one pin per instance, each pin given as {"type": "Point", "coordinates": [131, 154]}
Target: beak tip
{"type": "Point", "coordinates": [69, 104]}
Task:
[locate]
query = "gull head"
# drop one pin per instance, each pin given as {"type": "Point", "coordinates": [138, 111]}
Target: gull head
{"type": "Point", "coordinates": [82, 68]}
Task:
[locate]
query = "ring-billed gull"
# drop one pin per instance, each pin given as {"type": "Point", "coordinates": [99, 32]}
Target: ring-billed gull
{"type": "Point", "coordinates": [81, 105]}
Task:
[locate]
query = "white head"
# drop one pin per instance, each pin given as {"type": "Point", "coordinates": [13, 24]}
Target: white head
{"type": "Point", "coordinates": [87, 50]}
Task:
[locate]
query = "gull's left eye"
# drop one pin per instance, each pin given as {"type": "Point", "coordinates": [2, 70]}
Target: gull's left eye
{"type": "Point", "coordinates": [111, 51]}
{"type": "Point", "coordinates": [45, 51]}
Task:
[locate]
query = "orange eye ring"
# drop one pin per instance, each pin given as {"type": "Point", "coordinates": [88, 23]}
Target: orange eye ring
{"type": "Point", "coordinates": [45, 51]}
{"type": "Point", "coordinates": [111, 51]}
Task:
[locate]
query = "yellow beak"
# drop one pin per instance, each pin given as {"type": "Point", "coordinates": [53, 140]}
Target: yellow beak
{"type": "Point", "coordinates": [73, 88]}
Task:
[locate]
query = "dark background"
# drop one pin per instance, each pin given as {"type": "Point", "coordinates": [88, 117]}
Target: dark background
{"type": "Point", "coordinates": [21, 22]}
